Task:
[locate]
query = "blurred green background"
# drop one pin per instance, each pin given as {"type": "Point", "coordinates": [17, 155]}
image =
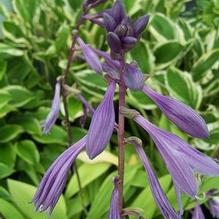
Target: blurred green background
{"type": "Point", "coordinates": [180, 52]}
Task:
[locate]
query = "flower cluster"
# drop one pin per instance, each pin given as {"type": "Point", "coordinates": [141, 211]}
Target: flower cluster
{"type": "Point", "coordinates": [181, 159]}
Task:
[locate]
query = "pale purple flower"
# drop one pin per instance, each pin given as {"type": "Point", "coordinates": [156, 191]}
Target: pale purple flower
{"type": "Point", "coordinates": [114, 210]}
{"type": "Point", "coordinates": [54, 112]}
{"type": "Point", "coordinates": [198, 213]}
{"type": "Point", "coordinates": [102, 124]}
{"type": "Point", "coordinates": [213, 206]}
{"type": "Point", "coordinates": [180, 114]}
{"type": "Point", "coordinates": [133, 78]}
{"type": "Point", "coordinates": [181, 159]}
{"type": "Point", "coordinates": [54, 180]}
{"type": "Point", "coordinates": [90, 56]}
{"type": "Point", "coordinates": [158, 194]}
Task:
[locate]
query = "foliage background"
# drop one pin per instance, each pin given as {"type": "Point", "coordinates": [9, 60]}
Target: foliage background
{"type": "Point", "coordinates": [180, 51]}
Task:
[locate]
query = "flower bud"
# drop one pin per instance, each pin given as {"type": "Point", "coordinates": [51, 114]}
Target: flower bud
{"type": "Point", "coordinates": [109, 22]}
{"type": "Point", "coordinates": [102, 124]}
{"type": "Point", "coordinates": [133, 78]}
{"type": "Point", "coordinates": [140, 24]}
{"type": "Point", "coordinates": [114, 42]}
{"type": "Point", "coordinates": [54, 112]}
{"type": "Point", "coordinates": [180, 114]}
{"type": "Point", "coordinates": [90, 56]}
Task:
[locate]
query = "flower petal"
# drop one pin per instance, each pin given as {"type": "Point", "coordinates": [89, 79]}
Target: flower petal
{"type": "Point", "coordinates": [90, 56]}
{"type": "Point", "coordinates": [198, 213]}
{"type": "Point", "coordinates": [176, 162]}
{"type": "Point", "coordinates": [159, 196]}
{"type": "Point", "coordinates": [102, 124]}
{"type": "Point", "coordinates": [133, 78]}
{"type": "Point", "coordinates": [114, 210]}
{"type": "Point", "coordinates": [180, 114]}
{"type": "Point", "coordinates": [54, 112]}
{"type": "Point", "coordinates": [54, 179]}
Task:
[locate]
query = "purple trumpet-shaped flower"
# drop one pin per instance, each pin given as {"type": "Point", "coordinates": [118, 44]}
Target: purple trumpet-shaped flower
{"type": "Point", "coordinates": [181, 159]}
{"type": "Point", "coordinates": [54, 112]}
{"type": "Point", "coordinates": [213, 205]}
{"type": "Point", "coordinates": [102, 124]}
{"type": "Point", "coordinates": [133, 78]}
{"type": "Point", "coordinates": [54, 180]}
{"type": "Point", "coordinates": [90, 56]}
{"type": "Point", "coordinates": [114, 210]}
{"type": "Point", "coordinates": [158, 194]}
{"type": "Point", "coordinates": [198, 213]}
{"type": "Point", "coordinates": [180, 114]}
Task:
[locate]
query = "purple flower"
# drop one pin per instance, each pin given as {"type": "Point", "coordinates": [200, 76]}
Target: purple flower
{"type": "Point", "coordinates": [197, 213]}
{"type": "Point", "coordinates": [114, 210]}
{"type": "Point", "coordinates": [123, 33]}
{"type": "Point", "coordinates": [133, 78]}
{"type": "Point", "coordinates": [158, 194]}
{"type": "Point", "coordinates": [180, 114]}
{"type": "Point", "coordinates": [54, 180]}
{"type": "Point", "coordinates": [102, 124]}
{"type": "Point", "coordinates": [181, 159]}
{"type": "Point", "coordinates": [90, 56]}
{"type": "Point", "coordinates": [214, 207]}
{"type": "Point", "coordinates": [54, 112]}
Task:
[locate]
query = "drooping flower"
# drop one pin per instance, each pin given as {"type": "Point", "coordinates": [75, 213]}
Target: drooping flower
{"type": "Point", "coordinates": [180, 114]}
{"type": "Point", "coordinates": [54, 180]}
{"type": "Point", "coordinates": [123, 33]}
{"type": "Point", "coordinates": [198, 213]}
{"type": "Point", "coordinates": [54, 112]}
{"type": "Point", "coordinates": [182, 159]}
{"type": "Point", "coordinates": [213, 206]}
{"type": "Point", "coordinates": [158, 194]}
{"type": "Point", "coordinates": [90, 56]}
{"type": "Point", "coordinates": [114, 210]}
{"type": "Point", "coordinates": [102, 124]}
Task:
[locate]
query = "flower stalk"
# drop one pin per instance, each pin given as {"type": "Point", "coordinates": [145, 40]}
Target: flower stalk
{"type": "Point", "coordinates": [121, 135]}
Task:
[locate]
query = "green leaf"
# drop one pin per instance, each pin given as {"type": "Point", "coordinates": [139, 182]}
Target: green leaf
{"type": "Point", "coordinates": [3, 67]}
{"type": "Point", "coordinates": [62, 37]}
{"type": "Point", "coordinates": [9, 211]}
{"type": "Point", "coordinates": [26, 9]}
{"type": "Point", "coordinates": [23, 193]}
{"type": "Point", "coordinates": [140, 100]}
{"type": "Point", "coordinates": [5, 98]}
{"type": "Point", "coordinates": [88, 173]}
{"type": "Point", "coordinates": [163, 57]}
{"type": "Point", "coordinates": [20, 95]}
{"type": "Point", "coordinates": [27, 151]}
{"type": "Point", "coordinates": [162, 28]}
{"type": "Point", "coordinates": [102, 200]}
{"type": "Point", "coordinates": [204, 64]}
{"type": "Point", "coordinates": [30, 124]}
{"type": "Point", "coordinates": [10, 50]}
{"type": "Point", "coordinates": [5, 170]}
{"type": "Point", "coordinates": [74, 108]}
{"type": "Point", "coordinates": [7, 154]}
{"type": "Point", "coordinates": [144, 57]}
{"type": "Point", "coordinates": [56, 136]}
{"type": "Point", "coordinates": [9, 132]}
{"type": "Point", "coordinates": [181, 86]}
{"type": "Point", "coordinates": [145, 199]}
